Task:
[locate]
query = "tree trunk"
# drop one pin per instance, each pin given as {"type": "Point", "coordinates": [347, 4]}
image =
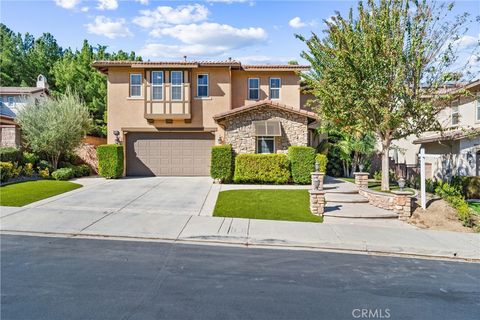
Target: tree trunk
{"type": "Point", "coordinates": [354, 163]}
{"type": "Point", "coordinates": [385, 165]}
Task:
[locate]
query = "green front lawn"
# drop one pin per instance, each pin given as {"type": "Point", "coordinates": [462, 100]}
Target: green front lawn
{"type": "Point", "coordinates": [475, 206]}
{"type": "Point", "coordinates": [23, 193]}
{"type": "Point", "coordinates": [289, 205]}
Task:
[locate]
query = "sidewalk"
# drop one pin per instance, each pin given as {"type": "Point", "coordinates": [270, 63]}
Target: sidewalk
{"type": "Point", "coordinates": [248, 232]}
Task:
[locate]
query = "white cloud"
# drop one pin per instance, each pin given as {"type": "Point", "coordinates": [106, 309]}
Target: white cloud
{"type": "Point", "coordinates": [213, 34]}
{"type": "Point", "coordinates": [67, 4]}
{"type": "Point", "coordinates": [84, 9]}
{"type": "Point", "coordinates": [144, 2]}
{"type": "Point", "coordinates": [260, 59]}
{"type": "Point", "coordinates": [298, 23]}
{"type": "Point", "coordinates": [206, 39]}
{"type": "Point", "coordinates": [467, 42]}
{"type": "Point", "coordinates": [231, 1]}
{"type": "Point", "coordinates": [107, 4]}
{"type": "Point", "coordinates": [165, 15]}
{"type": "Point", "coordinates": [109, 28]}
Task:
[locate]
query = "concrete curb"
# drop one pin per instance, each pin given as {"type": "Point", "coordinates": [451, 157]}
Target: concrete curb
{"type": "Point", "coordinates": [446, 256]}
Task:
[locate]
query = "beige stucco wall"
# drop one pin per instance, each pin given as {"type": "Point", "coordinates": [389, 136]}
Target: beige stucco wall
{"type": "Point", "coordinates": [289, 93]}
{"type": "Point", "coordinates": [227, 89]}
{"type": "Point", "coordinates": [240, 131]}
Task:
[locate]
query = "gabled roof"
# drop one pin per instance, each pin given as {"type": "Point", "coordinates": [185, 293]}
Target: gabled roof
{"type": "Point", "coordinates": [265, 103]}
{"type": "Point", "coordinates": [6, 111]}
{"type": "Point", "coordinates": [448, 135]}
{"type": "Point", "coordinates": [21, 90]}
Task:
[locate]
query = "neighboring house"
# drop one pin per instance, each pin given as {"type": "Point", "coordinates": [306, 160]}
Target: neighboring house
{"type": "Point", "coordinates": [12, 99]}
{"type": "Point", "coordinates": [456, 150]}
{"type": "Point", "coordinates": [169, 114]}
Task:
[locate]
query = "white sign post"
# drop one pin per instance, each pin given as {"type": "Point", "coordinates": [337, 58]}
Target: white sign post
{"type": "Point", "coordinates": [422, 179]}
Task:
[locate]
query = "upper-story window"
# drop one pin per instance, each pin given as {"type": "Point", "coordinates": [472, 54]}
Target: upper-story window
{"type": "Point", "coordinates": [253, 88]}
{"type": "Point", "coordinates": [202, 85]}
{"type": "Point", "coordinates": [478, 106]}
{"type": "Point", "coordinates": [135, 85]}
{"type": "Point", "coordinates": [157, 85]}
{"type": "Point", "coordinates": [275, 84]}
{"type": "Point", "coordinates": [455, 115]}
{"type": "Point", "coordinates": [176, 84]}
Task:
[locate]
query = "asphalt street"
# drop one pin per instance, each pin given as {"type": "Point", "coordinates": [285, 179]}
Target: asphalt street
{"type": "Point", "coordinates": [65, 278]}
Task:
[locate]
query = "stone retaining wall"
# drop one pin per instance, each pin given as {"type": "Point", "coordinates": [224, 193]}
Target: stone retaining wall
{"type": "Point", "coordinates": [400, 203]}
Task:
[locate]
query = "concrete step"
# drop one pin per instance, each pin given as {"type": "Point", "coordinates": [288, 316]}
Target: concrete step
{"type": "Point", "coordinates": [345, 198]}
{"type": "Point", "coordinates": [357, 210]}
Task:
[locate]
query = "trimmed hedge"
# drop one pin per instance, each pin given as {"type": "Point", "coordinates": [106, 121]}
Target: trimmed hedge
{"type": "Point", "coordinates": [222, 163]}
{"type": "Point", "coordinates": [10, 154]}
{"type": "Point", "coordinates": [302, 162]}
{"type": "Point", "coordinates": [469, 186]}
{"type": "Point", "coordinates": [63, 174]}
{"type": "Point", "coordinates": [262, 168]}
{"type": "Point", "coordinates": [82, 170]}
{"type": "Point", "coordinates": [322, 161]}
{"type": "Point", "coordinates": [110, 160]}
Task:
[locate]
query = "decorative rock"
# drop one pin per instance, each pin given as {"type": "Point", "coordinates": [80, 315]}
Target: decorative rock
{"type": "Point", "coordinates": [361, 179]}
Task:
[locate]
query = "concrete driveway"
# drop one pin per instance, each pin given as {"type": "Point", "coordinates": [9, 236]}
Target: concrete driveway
{"type": "Point", "coordinates": [160, 195]}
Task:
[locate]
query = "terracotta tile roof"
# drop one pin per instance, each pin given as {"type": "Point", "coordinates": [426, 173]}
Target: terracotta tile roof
{"type": "Point", "coordinates": [448, 135]}
{"type": "Point", "coordinates": [268, 103]}
{"type": "Point", "coordinates": [195, 64]}
{"type": "Point", "coordinates": [20, 90]}
{"type": "Point", "coordinates": [275, 67]}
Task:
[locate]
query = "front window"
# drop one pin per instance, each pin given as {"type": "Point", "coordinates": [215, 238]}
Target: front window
{"type": "Point", "coordinates": [455, 115]}
{"type": "Point", "coordinates": [202, 85]}
{"type": "Point", "coordinates": [135, 85]}
{"type": "Point", "coordinates": [157, 85]}
{"type": "Point", "coordinates": [478, 107]}
{"type": "Point", "coordinates": [177, 85]}
{"type": "Point", "coordinates": [275, 84]}
{"type": "Point", "coordinates": [265, 145]}
{"type": "Point", "coordinates": [253, 88]}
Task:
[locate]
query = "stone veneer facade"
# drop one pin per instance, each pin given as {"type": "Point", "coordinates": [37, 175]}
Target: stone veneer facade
{"type": "Point", "coordinates": [400, 203]}
{"type": "Point", "coordinates": [240, 131]}
{"type": "Point", "coordinates": [9, 136]}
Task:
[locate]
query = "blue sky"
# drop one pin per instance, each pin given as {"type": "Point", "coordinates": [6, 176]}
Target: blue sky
{"type": "Point", "coordinates": [249, 31]}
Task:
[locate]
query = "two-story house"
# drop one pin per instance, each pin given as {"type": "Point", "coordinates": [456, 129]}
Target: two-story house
{"type": "Point", "coordinates": [456, 150]}
{"type": "Point", "coordinates": [169, 114]}
{"type": "Point", "coordinates": [13, 99]}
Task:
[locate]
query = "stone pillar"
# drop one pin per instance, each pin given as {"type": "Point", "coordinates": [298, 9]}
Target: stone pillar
{"type": "Point", "coordinates": [317, 202]}
{"type": "Point", "coordinates": [320, 176]}
{"type": "Point", "coordinates": [403, 204]}
{"type": "Point", "coordinates": [361, 179]}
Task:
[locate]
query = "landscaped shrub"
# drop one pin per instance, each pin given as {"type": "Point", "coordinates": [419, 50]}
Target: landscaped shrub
{"type": "Point", "coordinates": [28, 157]}
{"type": "Point", "coordinates": [452, 195]}
{"type": "Point", "coordinates": [261, 168]}
{"type": "Point", "coordinates": [110, 160]}
{"type": "Point", "coordinates": [16, 170]}
{"type": "Point", "coordinates": [322, 161]}
{"type": "Point", "coordinates": [63, 174]}
{"type": "Point", "coordinates": [43, 164]}
{"type": "Point", "coordinates": [82, 170]}
{"type": "Point", "coordinates": [10, 154]}
{"type": "Point", "coordinates": [469, 186]}
{"type": "Point", "coordinates": [302, 163]}
{"type": "Point", "coordinates": [6, 169]}
{"type": "Point", "coordinates": [45, 173]}
{"type": "Point", "coordinates": [28, 170]}
{"type": "Point", "coordinates": [222, 163]}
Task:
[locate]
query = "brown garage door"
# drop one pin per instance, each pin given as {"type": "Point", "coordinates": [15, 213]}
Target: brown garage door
{"type": "Point", "coordinates": [169, 153]}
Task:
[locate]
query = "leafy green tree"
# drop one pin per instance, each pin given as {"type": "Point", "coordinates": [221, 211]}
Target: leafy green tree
{"type": "Point", "coordinates": [375, 68]}
{"type": "Point", "coordinates": [54, 126]}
